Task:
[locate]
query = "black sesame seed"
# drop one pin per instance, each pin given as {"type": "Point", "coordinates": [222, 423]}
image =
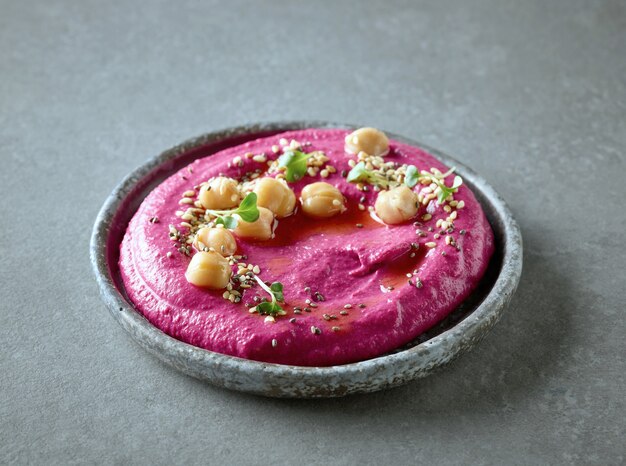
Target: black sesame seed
{"type": "Point", "coordinates": [292, 320]}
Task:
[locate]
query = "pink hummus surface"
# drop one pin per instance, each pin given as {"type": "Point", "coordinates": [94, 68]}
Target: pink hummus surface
{"type": "Point", "coordinates": [363, 267]}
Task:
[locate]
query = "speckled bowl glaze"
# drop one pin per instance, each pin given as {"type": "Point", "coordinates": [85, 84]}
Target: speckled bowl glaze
{"type": "Point", "coordinates": [459, 332]}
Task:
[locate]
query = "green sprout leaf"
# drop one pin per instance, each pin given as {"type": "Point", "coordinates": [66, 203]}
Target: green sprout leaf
{"type": "Point", "coordinates": [446, 191]}
{"type": "Point", "coordinates": [360, 174]}
{"type": "Point", "coordinates": [247, 210]}
{"type": "Point", "coordinates": [269, 309]}
{"type": "Point", "coordinates": [412, 176]}
{"type": "Point", "coordinates": [275, 290]}
{"type": "Point", "coordinates": [228, 221]}
{"type": "Point", "coordinates": [295, 163]}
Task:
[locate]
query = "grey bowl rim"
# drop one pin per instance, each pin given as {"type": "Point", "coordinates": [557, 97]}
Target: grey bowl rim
{"type": "Point", "coordinates": [460, 337]}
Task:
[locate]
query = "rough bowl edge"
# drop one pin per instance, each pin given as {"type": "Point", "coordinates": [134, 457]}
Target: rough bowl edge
{"type": "Point", "coordinates": [308, 382]}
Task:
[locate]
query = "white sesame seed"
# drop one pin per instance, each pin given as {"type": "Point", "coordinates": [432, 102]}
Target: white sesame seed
{"type": "Point", "coordinates": [460, 205]}
{"type": "Point", "coordinates": [186, 200]}
{"type": "Point", "coordinates": [256, 269]}
{"type": "Point", "coordinates": [426, 217]}
{"type": "Point", "coordinates": [431, 244]}
{"type": "Point", "coordinates": [445, 225]}
{"type": "Point", "coordinates": [324, 173]}
{"type": "Point", "coordinates": [185, 224]}
{"type": "Point", "coordinates": [447, 208]}
{"type": "Point", "coordinates": [275, 149]}
{"type": "Point", "coordinates": [270, 319]}
{"type": "Point", "coordinates": [438, 224]}
{"type": "Point", "coordinates": [448, 239]}
{"type": "Point", "coordinates": [361, 207]}
{"type": "Point", "coordinates": [336, 202]}
{"type": "Point", "coordinates": [274, 342]}
{"type": "Point", "coordinates": [187, 217]}
{"type": "Point", "coordinates": [283, 142]}
{"type": "Point", "coordinates": [179, 213]}
{"type": "Point", "coordinates": [260, 158]}
{"type": "Point", "coordinates": [189, 193]}
{"type": "Point", "coordinates": [169, 254]}
{"type": "Point", "coordinates": [454, 215]}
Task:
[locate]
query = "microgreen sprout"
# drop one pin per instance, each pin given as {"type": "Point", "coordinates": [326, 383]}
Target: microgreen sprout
{"type": "Point", "coordinates": [360, 174]}
{"type": "Point", "coordinates": [247, 211]}
{"type": "Point", "coordinates": [413, 175]}
{"type": "Point", "coordinates": [275, 290]}
{"type": "Point", "coordinates": [295, 163]}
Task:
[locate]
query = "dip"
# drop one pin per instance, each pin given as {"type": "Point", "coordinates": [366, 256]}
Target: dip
{"type": "Point", "coordinates": [351, 286]}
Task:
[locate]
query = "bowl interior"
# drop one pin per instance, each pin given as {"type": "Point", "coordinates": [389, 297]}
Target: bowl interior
{"type": "Point", "coordinates": [140, 185]}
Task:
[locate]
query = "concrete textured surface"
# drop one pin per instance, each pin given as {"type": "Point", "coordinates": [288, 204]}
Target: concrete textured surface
{"type": "Point", "coordinates": [530, 94]}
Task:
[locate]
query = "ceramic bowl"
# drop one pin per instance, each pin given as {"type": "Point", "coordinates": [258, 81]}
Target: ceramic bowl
{"type": "Point", "coordinates": [458, 333]}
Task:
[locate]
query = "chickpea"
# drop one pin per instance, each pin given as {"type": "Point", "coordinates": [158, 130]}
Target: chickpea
{"type": "Point", "coordinates": [372, 141]}
{"type": "Point", "coordinates": [276, 196]}
{"type": "Point", "coordinates": [261, 229]}
{"type": "Point", "coordinates": [208, 270]}
{"type": "Point", "coordinates": [219, 193]}
{"type": "Point", "coordinates": [322, 200]}
{"type": "Point", "coordinates": [396, 205]}
{"type": "Point", "coordinates": [218, 238]}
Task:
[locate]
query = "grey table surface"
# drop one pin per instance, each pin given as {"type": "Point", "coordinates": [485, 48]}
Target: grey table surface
{"type": "Point", "coordinates": [530, 94]}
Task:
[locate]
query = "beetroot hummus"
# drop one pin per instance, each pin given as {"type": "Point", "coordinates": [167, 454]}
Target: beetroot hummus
{"type": "Point", "coordinates": [352, 286]}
